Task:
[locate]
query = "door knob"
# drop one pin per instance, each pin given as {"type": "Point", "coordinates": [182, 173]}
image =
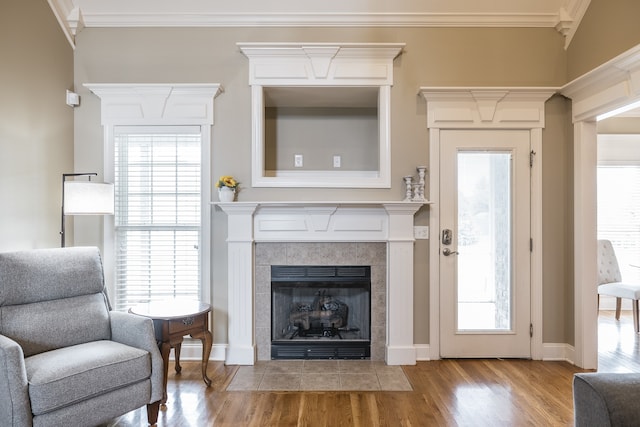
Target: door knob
{"type": "Point", "coordinates": [447, 252]}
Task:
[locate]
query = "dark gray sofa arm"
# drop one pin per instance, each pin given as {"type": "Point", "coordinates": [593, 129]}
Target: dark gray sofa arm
{"type": "Point", "coordinates": [606, 399]}
{"type": "Point", "coordinates": [137, 331]}
{"type": "Point", "coordinates": [15, 407]}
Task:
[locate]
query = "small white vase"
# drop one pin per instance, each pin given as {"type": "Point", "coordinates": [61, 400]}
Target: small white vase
{"type": "Point", "coordinates": [226, 194]}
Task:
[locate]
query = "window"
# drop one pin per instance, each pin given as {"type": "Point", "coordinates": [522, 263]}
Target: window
{"type": "Point", "coordinates": [619, 215]}
{"type": "Point", "coordinates": [157, 173]}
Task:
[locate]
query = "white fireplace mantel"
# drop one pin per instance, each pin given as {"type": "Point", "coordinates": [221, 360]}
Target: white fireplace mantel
{"type": "Point", "coordinates": [379, 221]}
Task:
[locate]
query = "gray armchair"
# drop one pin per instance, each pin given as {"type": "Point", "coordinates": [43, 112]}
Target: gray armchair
{"type": "Point", "coordinates": [65, 357]}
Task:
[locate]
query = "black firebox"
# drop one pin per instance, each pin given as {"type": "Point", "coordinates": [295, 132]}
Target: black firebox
{"type": "Point", "coordinates": [320, 312]}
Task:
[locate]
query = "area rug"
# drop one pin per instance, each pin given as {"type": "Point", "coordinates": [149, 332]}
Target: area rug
{"type": "Point", "coordinates": [319, 375]}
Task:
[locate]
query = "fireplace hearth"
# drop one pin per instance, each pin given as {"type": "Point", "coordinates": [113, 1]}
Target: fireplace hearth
{"type": "Point", "coordinates": [320, 312]}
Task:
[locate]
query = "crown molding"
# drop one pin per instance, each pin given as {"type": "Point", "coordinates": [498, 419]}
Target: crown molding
{"type": "Point", "coordinates": [574, 11]}
{"type": "Point", "coordinates": [321, 20]}
{"type": "Point", "coordinates": [612, 85]}
{"type": "Point", "coordinates": [73, 15]}
{"type": "Point", "coordinates": [62, 9]}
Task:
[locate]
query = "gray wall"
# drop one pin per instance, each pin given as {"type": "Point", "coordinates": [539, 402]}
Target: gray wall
{"type": "Point", "coordinates": [608, 28]}
{"type": "Point", "coordinates": [432, 57]}
{"type": "Point", "coordinates": [36, 126]}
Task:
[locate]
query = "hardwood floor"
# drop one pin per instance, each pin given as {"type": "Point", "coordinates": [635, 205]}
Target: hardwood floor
{"type": "Point", "coordinates": [445, 393]}
{"type": "Point", "coordinates": [618, 345]}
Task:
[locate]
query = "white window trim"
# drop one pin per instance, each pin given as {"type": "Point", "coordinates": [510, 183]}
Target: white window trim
{"type": "Point", "coordinates": [159, 105]}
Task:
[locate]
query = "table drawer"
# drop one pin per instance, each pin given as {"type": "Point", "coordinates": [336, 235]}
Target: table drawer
{"type": "Point", "coordinates": [187, 324]}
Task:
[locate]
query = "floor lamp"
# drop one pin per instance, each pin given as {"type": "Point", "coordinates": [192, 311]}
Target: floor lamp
{"type": "Point", "coordinates": [84, 198]}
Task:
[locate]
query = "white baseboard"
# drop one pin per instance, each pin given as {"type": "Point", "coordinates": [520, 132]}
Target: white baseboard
{"type": "Point", "coordinates": [558, 352]}
{"type": "Point", "coordinates": [550, 352]}
{"type": "Point", "coordinates": [423, 352]}
{"type": "Point", "coordinates": [192, 350]}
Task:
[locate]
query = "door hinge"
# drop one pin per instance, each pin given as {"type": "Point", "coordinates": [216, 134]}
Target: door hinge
{"type": "Point", "coordinates": [530, 330]}
{"type": "Point", "coordinates": [530, 245]}
{"type": "Point", "coordinates": [532, 155]}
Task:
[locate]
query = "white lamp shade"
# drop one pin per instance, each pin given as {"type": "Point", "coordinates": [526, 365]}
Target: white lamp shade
{"type": "Point", "coordinates": [88, 198]}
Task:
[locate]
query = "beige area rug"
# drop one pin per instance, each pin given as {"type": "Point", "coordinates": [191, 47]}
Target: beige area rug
{"type": "Point", "coordinates": [319, 375]}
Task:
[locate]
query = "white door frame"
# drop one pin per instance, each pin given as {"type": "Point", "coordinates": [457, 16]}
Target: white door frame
{"type": "Point", "coordinates": [485, 108]}
{"type": "Point", "coordinates": [512, 339]}
{"type": "Point", "coordinates": [608, 87]}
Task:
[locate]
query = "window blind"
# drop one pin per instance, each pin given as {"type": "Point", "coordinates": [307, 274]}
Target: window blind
{"type": "Point", "coordinates": [157, 214]}
{"type": "Point", "coordinates": [619, 215]}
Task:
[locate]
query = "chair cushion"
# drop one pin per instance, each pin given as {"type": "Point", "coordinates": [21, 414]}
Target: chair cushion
{"type": "Point", "coordinates": [49, 325]}
{"type": "Point", "coordinates": [47, 274]}
{"type": "Point", "coordinates": [620, 290]}
{"type": "Point", "coordinates": [68, 375]}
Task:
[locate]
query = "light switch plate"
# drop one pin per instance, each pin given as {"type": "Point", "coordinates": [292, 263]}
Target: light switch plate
{"type": "Point", "coordinates": [421, 232]}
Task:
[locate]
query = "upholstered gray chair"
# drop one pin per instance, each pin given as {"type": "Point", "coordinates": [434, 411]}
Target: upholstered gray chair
{"type": "Point", "coordinates": [606, 399]}
{"type": "Point", "coordinates": [610, 281]}
{"type": "Point", "coordinates": [66, 359]}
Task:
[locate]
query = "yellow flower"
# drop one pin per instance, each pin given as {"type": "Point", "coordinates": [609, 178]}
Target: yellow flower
{"type": "Point", "coordinates": [227, 181]}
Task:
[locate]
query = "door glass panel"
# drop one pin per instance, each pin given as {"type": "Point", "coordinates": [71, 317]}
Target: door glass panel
{"type": "Point", "coordinates": [484, 263]}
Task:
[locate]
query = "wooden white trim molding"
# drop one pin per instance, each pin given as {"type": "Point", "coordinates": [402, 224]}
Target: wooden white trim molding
{"type": "Point", "coordinates": [485, 108]}
{"type": "Point", "coordinates": [156, 104]}
{"type": "Point", "coordinates": [73, 15]}
{"type": "Point", "coordinates": [321, 64]}
{"type": "Point", "coordinates": [300, 66]}
{"type": "Point", "coordinates": [390, 222]}
{"type": "Point", "coordinates": [610, 86]}
{"type": "Point", "coordinates": [558, 352]}
{"type": "Point", "coordinates": [168, 105]}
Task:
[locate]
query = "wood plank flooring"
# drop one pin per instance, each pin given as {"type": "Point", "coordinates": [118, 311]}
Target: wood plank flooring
{"type": "Point", "coordinates": [473, 392]}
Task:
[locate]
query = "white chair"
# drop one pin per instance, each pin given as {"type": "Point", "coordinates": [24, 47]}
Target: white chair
{"type": "Point", "coordinates": [610, 281]}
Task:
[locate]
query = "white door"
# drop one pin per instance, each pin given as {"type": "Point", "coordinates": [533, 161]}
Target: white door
{"type": "Point", "coordinates": [485, 243]}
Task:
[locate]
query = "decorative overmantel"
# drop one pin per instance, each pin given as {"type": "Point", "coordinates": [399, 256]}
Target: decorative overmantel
{"type": "Point", "coordinates": [324, 75]}
{"type": "Point", "coordinates": [250, 222]}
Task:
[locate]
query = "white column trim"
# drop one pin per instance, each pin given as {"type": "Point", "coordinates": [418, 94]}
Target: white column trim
{"type": "Point", "coordinates": [610, 86]}
{"type": "Point", "coordinates": [585, 236]}
{"type": "Point", "coordinates": [241, 334]}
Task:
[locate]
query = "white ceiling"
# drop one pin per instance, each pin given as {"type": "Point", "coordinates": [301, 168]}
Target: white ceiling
{"type": "Point", "coordinates": [563, 15]}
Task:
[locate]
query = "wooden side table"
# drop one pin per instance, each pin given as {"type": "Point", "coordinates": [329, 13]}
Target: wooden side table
{"type": "Point", "coordinates": [172, 320]}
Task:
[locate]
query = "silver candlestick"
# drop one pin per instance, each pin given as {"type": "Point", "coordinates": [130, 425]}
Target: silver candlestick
{"type": "Point", "coordinates": [408, 181]}
{"type": "Point", "coordinates": [419, 196]}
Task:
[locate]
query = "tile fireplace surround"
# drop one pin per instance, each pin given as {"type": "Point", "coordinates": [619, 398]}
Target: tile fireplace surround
{"type": "Point", "coordinates": [379, 234]}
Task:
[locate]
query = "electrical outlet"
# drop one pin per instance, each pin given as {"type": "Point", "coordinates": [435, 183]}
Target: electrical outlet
{"type": "Point", "coordinates": [337, 160]}
{"type": "Point", "coordinates": [421, 232]}
{"type": "Point", "coordinates": [297, 160]}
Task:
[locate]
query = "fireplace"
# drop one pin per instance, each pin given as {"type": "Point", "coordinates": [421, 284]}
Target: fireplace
{"type": "Point", "coordinates": [320, 312]}
{"type": "Point", "coordinates": [262, 234]}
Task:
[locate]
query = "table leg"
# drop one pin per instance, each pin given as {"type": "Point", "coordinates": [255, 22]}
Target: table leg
{"type": "Point", "coordinates": [176, 351]}
{"type": "Point", "coordinates": [207, 340]}
{"type": "Point", "coordinates": [165, 348]}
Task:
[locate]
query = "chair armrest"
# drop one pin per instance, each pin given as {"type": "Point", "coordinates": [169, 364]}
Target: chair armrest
{"type": "Point", "coordinates": [15, 406]}
{"type": "Point", "coordinates": [137, 331]}
{"type": "Point", "coordinates": [606, 399]}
